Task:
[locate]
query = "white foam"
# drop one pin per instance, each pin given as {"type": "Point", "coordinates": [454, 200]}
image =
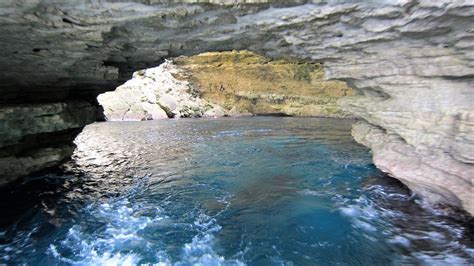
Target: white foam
{"type": "Point", "coordinates": [400, 240]}
{"type": "Point", "coordinates": [103, 247]}
{"type": "Point", "coordinates": [441, 259]}
{"type": "Point", "coordinates": [365, 215]}
{"type": "Point", "coordinates": [435, 236]}
{"type": "Point", "coordinates": [364, 225]}
{"type": "Point", "coordinates": [350, 211]}
{"type": "Point", "coordinates": [201, 249]}
{"type": "Point", "coordinates": [124, 223]}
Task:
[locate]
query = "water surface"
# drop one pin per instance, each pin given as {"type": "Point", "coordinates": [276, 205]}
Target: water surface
{"type": "Point", "coordinates": [257, 191]}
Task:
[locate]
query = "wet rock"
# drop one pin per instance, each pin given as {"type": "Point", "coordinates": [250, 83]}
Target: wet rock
{"type": "Point", "coordinates": [33, 137]}
{"type": "Point", "coordinates": [431, 173]}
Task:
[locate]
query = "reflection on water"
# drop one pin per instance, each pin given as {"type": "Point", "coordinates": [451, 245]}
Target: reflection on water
{"type": "Point", "coordinates": [269, 191]}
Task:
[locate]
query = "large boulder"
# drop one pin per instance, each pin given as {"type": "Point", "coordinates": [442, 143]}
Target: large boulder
{"type": "Point", "coordinates": [153, 93]}
{"type": "Point", "coordinates": [131, 102]}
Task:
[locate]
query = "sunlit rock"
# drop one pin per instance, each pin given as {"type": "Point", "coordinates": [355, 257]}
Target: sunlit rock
{"type": "Point", "coordinates": [216, 111]}
{"type": "Point", "coordinates": [232, 83]}
{"type": "Point", "coordinates": [153, 93]}
{"type": "Point", "coordinates": [254, 84]}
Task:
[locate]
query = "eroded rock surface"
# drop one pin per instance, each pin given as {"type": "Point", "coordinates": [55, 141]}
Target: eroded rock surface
{"type": "Point", "coordinates": [413, 61]}
{"type": "Point", "coordinates": [258, 85]}
{"type": "Point", "coordinates": [427, 171]}
{"type": "Point", "coordinates": [33, 137]}
{"type": "Point", "coordinates": [153, 93]}
{"type": "Point", "coordinates": [229, 83]}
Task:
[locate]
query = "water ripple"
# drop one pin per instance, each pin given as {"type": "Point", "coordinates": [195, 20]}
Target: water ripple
{"type": "Point", "coordinates": [258, 191]}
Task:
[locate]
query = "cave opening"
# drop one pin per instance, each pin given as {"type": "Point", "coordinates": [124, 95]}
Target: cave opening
{"type": "Point", "coordinates": [226, 83]}
{"type": "Point", "coordinates": [267, 166]}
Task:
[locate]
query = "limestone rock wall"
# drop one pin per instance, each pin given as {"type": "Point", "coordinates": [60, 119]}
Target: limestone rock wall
{"type": "Point", "coordinates": [249, 83]}
{"type": "Point", "coordinates": [33, 137]}
{"type": "Point", "coordinates": [411, 59]}
{"type": "Point", "coordinates": [230, 83]}
{"type": "Point", "coordinates": [153, 93]}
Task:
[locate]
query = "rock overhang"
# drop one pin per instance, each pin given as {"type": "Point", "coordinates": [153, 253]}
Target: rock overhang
{"type": "Point", "coordinates": [73, 47]}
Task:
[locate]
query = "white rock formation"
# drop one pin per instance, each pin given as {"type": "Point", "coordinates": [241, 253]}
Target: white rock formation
{"type": "Point", "coordinates": [412, 59]}
{"type": "Point", "coordinates": [154, 93]}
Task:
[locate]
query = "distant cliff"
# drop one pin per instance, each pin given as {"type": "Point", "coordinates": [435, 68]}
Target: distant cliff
{"type": "Point", "coordinates": [225, 84]}
{"type": "Point", "coordinates": [249, 83]}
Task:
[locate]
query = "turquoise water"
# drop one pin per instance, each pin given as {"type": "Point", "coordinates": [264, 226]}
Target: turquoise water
{"type": "Point", "coordinates": [236, 191]}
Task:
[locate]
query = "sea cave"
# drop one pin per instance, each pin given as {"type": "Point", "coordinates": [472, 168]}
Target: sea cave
{"type": "Point", "coordinates": [237, 132]}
